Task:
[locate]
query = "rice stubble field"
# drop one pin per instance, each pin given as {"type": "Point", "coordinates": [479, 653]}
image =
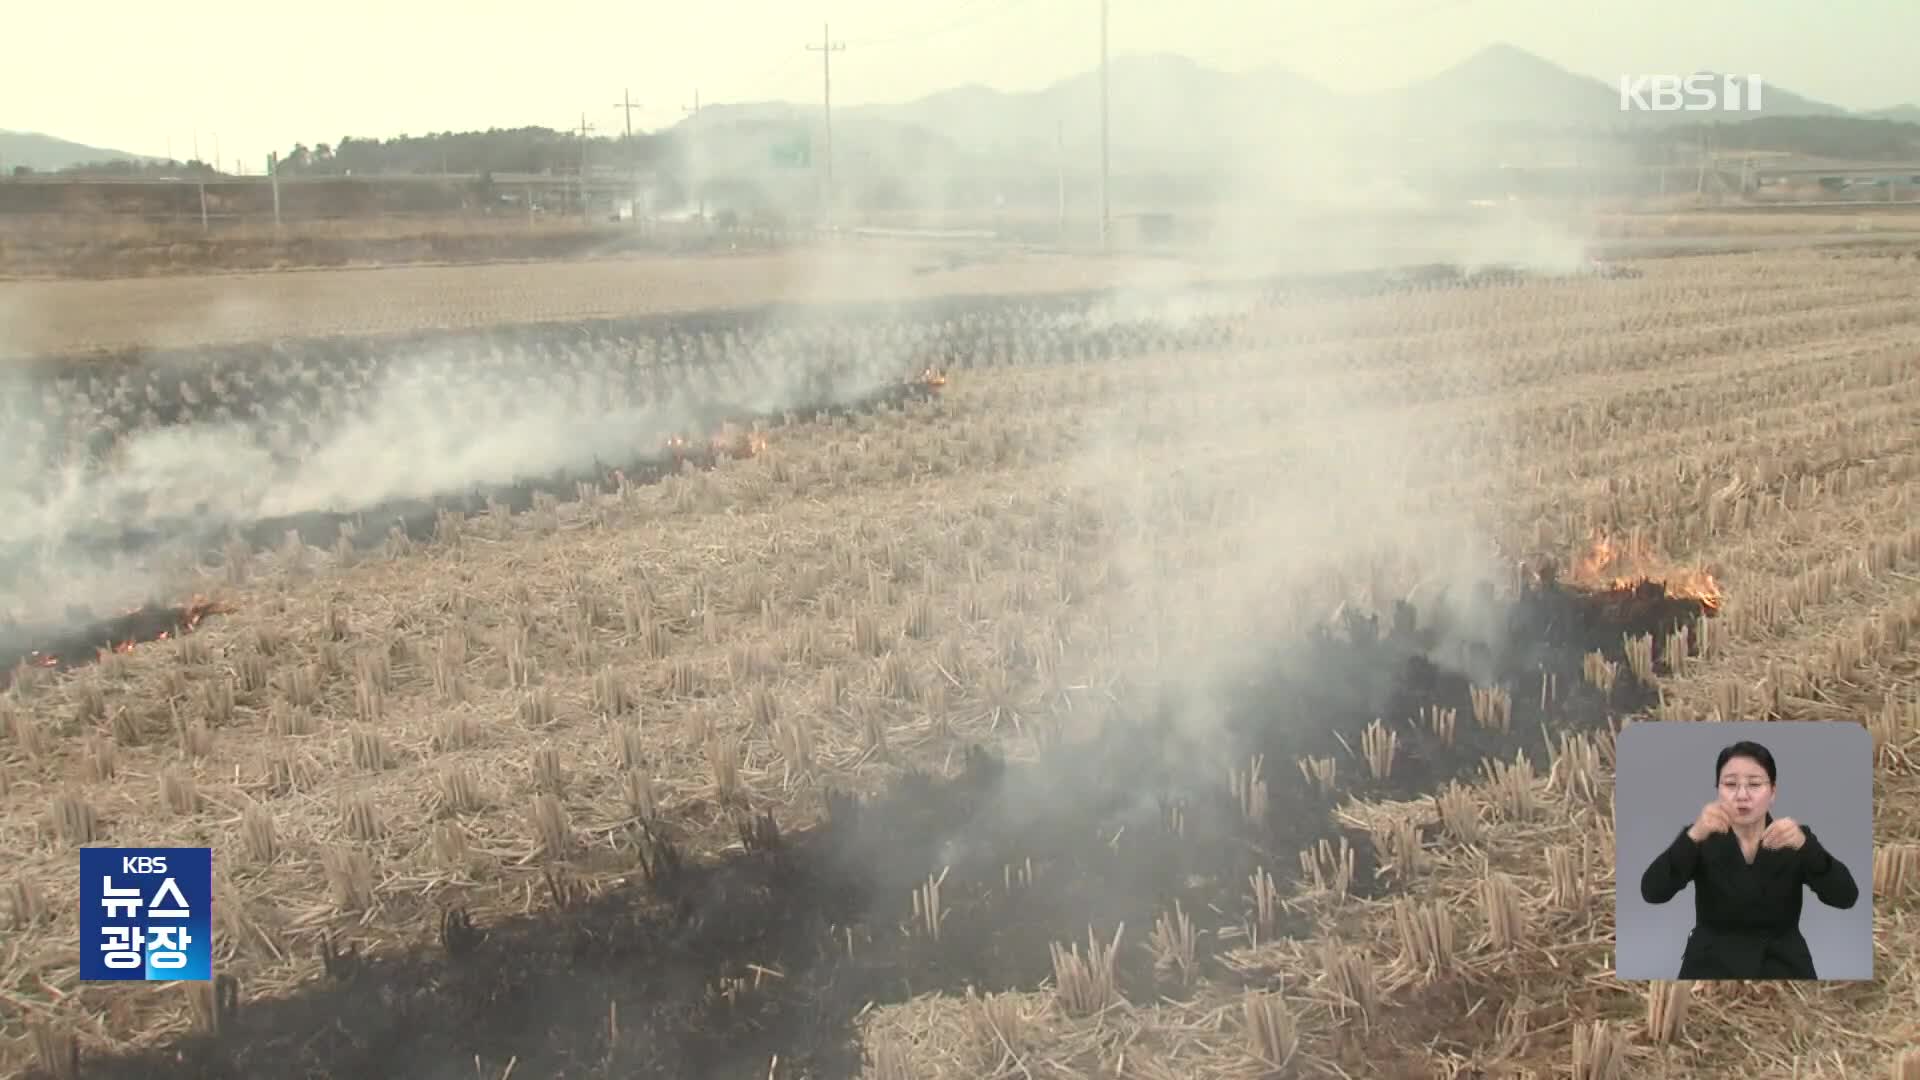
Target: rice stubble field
{"type": "Point", "coordinates": [1194, 708]}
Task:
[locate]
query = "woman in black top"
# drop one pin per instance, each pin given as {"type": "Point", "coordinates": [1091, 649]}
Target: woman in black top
{"type": "Point", "coordinates": [1747, 868]}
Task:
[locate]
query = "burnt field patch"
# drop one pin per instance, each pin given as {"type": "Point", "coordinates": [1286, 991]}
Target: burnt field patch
{"type": "Point", "coordinates": [759, 963]}
{"type": "Point", "coordinates": [59, 649]}
{"type": "Point", "coordinates": [85, 635]}
{"type": "Point", "coordinates": [716, 435]}
{"type": "Point", "coordinates": [616, 386]}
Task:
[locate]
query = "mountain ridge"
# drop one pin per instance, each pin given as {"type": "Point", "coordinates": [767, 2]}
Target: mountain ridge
{"type": "Point", "coordinates": [46, 153]}
{"type": "Point", "coordinates": [1165, 107]}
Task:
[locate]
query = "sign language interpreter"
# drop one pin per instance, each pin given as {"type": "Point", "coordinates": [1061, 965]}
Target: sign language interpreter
{"type": "Point", "coordinates": [1748, 870]}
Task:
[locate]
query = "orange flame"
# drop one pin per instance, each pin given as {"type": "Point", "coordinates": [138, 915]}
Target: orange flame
{"type": "Point", "coordinates": [1696, 585]}
{"type": "Point", "coordinates": [933, 377]}
{"type": "Point", "coordinates": [182, 618]}
{"type": "Point", "coordinates": [1608, 565]}
{"type": "Point", "coordinates": [1591, 566]}
{"type": "Point", "coordinates": [732, 442]}
{"type": "Point", "coordinates": [729, 441]}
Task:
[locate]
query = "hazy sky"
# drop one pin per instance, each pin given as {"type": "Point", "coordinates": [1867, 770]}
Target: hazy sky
{"type": "Point", "coordinates": [142, 77]}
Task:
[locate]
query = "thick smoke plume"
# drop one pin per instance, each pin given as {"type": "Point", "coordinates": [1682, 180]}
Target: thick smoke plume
{"type": "Point", "coordinates": [322, 440]}
{"type": "Point", "coordinates": [1254, 494]}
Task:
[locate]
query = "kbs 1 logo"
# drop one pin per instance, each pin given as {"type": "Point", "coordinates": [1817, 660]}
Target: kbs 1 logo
{"type": "Point", "coordinates": [1690, 93]}
{"type": "Point", "coordinates": [145, 914]}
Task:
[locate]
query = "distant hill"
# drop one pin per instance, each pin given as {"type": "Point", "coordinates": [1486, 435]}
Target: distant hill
{"type": "Point", "coordinates": [1901, 114]}
{"type": "Point", "coordinates": [1509, 88]}
{"type": "Point", "coordinates": [1779, 101]}
{"type": "Point", "coordinates": [1167, 108]}
{"type": "Point", "coordinates": [1172, 119]}
{"type": "Point", "coordinates": [45, 153]}
{"type": "Point", "coordinates": [1498, 88]}
{"type": "Point", "coordinates": [1160, 106]}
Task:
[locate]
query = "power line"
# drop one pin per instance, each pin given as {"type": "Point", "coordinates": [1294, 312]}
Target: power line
{"type": "Point", "coordinates": [1397, 20]}
{"type": "Point", "coordinates": [749, 86]}
{"type": "Point", "coordinates": [983, 12]}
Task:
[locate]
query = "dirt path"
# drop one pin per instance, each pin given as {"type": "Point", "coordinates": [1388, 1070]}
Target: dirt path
{"type": "Point", "coordinates": [51, 317]}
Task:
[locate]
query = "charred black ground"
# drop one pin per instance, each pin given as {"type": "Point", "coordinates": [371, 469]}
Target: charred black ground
{"type": "Point", "coordinates": [715, 969]}
{"type": "Point", "coordinates": [417, 518]}
{"type": "Point", "coordinates": [69, 647]}
{"type": "Point", "coordinates": [299, 386]}
{"type": "Point", "coordinates": [81, 638]}
{"type": "Point", "coordinates": [669, 356]}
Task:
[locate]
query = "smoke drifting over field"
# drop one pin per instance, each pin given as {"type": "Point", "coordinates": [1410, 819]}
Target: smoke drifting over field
{"type": "Point", "coordinates": [177, 452]}
{"type": "Point", "coordinates": [1240, 520]}
{"type": "Point", "coordinates": [1250, 517]}
{"type": "Point", "coordinates": [1253, 519]}
{"type": "Point", "coordinates": [341, 438]}
{"type": "Point", "coordinates": [1314, 193]}
{"type": "Point", "coordinates": [1311, 477]}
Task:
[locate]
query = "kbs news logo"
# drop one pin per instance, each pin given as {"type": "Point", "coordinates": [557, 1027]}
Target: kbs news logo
{"type": "Point", "coordinates": [145, 914]}
{"type": "Point", "coordinates": [1690, 93]}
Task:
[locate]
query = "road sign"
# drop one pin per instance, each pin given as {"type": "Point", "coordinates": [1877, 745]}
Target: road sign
{"type": "Point", "coordinates": [794, 153]}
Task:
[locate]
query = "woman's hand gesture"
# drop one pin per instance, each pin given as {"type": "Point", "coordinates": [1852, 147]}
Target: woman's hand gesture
{"type": "Point", "coordinates": [1713, 819]}
{"type": "Point", "coordinates": [1783, 833]}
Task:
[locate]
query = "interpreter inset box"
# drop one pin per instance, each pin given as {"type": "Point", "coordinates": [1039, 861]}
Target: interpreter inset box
{"type": "Point", "coordinates": [1743, 851]}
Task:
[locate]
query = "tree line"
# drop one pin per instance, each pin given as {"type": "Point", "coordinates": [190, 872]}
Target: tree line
{"type": "Point", "coordinates": [499, 150]}
{"type": "Point", "coordinates": [546, 150]}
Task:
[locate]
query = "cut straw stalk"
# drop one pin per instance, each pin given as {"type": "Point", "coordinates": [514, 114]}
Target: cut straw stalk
{"type": "Point", "coordinates": [1085, 985]}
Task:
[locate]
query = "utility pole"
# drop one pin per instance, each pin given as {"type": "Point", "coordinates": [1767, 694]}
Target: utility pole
{"type": "Point", "coordinates": [273, 178]}
{"type": "Point", "coordinates": [826, 49]}
{"type": "Point", "coordinates": [627, 105]}
{"type": "Point", "coordinates": [698, 185]}
{"type": "Point", "coordinates": [1706, 157]}
{"type": "Point", "coordinates": [584, 128]}
{"type": "Point", "coordinates": [1060, 174]}
{"type": "Point", "coordinates": [1106, 207]}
